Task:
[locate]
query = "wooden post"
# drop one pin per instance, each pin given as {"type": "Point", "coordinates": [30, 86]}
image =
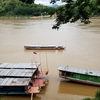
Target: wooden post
{"type": "Point", "coordinates": [31, 96]}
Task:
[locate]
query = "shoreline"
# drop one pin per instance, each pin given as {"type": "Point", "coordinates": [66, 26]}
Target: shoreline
{"type": "Point", "coordinates": [27, 17]}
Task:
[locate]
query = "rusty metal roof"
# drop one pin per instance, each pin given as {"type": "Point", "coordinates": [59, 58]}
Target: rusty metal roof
{"type": "Point", "coordinates": [20, 65]}
{"type": "Point", "coordinates": [14, 81]}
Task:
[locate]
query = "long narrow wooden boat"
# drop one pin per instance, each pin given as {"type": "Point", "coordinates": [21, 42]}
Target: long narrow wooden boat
{"type": "Point", "coordinates": [91, 77]}
{"type": "Point", "coordinates": [46, 47]}
{"type": "Point", "coordinates": [21, 80]}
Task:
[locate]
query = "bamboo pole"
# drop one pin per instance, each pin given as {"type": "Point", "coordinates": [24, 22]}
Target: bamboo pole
{"type": "Point", "coordinates": [31, 96]}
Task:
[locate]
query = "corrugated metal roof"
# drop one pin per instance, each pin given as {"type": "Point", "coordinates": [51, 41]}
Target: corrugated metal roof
{"type": "Point", "coordinates": [20, 65]}
{"type": "Point", "coordinates": [14, 81]}
{"type": "Point", "coordinates": [80, 71]}
{"type": "Point", "coordinates": [16, 72]}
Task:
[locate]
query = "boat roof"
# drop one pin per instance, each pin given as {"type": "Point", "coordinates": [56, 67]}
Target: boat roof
{"type": "Point", "coordinates": [79, 71]}
{"type": "Point", "coordinates": [20, 65]}
{"type": "Point", "coordinates": [41, 46]}
{"type": "Point", "coordinates": [32, 45]}
{"type": "Point", "coordinates": [14, 81]}
{"type": "Point", "coordinates": [17, 73]}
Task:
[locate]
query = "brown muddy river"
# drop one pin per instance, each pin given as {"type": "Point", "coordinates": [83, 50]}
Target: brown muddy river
{"type": "Point", "coordinates": [82, 50]}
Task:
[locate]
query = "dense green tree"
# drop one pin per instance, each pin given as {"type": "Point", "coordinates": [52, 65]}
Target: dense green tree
{"type": "Point", "coordinates": [18, 8]}
{"type": "Point", "coordinates": [50, 11]}
{"type": "Point", "coordinates": [28, 1]}
{"type": "Point", "coordinates": [74, 10]}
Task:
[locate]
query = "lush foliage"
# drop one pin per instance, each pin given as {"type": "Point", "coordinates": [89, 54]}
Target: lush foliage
{"type": "Point", "coordinates": [19, 8]}
{"type": "Point", "coordinates": [28, 1]}
{"type": "Point", "coordinates": [74, 10]}
{"type": "Point", "coordinates": [71, 11]}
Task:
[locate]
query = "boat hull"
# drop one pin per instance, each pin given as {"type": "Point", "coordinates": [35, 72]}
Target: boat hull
{"type": "Point", "coordinates": [90, 77]}
{"type": "Point", "coordinates": [82, 81]}
{"type": "Point", "coordinates": [44, 47]}
{"type": "Point", "coordinates": [13, 90]}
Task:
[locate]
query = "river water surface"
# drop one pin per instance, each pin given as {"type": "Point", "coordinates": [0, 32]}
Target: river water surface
{"type": "Point", "coordinates": [82, 50]}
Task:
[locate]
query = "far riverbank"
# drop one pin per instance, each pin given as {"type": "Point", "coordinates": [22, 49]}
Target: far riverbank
{"type": "Point", "coordinates": [27, 17]}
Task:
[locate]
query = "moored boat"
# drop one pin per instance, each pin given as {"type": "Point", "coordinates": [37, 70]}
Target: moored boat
{"type": "Point", "coordinates": [91, 77]}
{"type": "Point", "coordinates": [20, 80]}
{"type": "Point", "coordinates": [42, 47]}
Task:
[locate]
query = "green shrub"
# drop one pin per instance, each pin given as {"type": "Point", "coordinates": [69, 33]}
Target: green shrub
{"type": "Point", "coordinates": [97, 95]}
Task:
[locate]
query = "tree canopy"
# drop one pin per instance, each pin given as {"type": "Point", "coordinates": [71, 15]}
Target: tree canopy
{"type": "Point", "coordinates": [74, 10]}
{"type": "Point", "coordinates": [71, 11]}
{"type": "Point", "coordinates": [28, 1]}
{"type": "Point", "coordinates": [19, 8]}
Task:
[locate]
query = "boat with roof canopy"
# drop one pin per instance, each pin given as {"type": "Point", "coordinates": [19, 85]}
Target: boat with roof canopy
{"type": "Point", "coordinates": [21, 78]}
{"type": "Point", "coordinates": [91, 77]}
{"type": "Point", "coordinates": [44, 47]}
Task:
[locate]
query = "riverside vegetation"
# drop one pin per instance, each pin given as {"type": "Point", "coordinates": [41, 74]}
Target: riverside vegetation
{"type": "Point", "coordinates": [97, 96]}
{"type": "Point", "coordinates": [71, 11]}
{"type": "Point", "coordinates": [17, 8]}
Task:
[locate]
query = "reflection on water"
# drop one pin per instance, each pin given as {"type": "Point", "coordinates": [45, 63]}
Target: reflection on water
{"type": "Point", "coordinates": [82, 50]}
{"type": "Point", "coordinates": [20, 97]}
{"type": "Point", "coordinates": [92, 27]}
{"type": "Point", "coordinates": [76, 88]}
